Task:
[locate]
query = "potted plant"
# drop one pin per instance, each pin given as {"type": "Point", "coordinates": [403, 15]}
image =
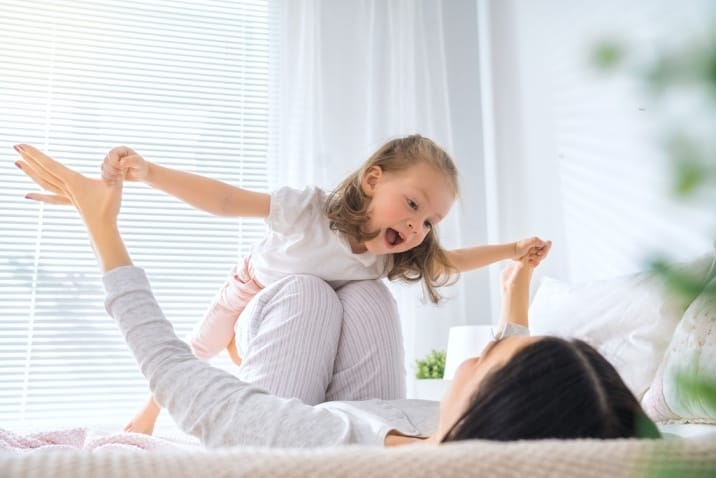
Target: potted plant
{"type": "Point", "coordinates": [429, 372]}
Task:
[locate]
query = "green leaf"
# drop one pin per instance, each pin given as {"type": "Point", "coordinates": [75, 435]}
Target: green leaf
{"type": "Point", "coordinates": [607, 55]}
{"type": "Point", "coordinates": [679, 281]}
{"type": "Point", "coordinates": [432, 366]}
{"type": "Point", "coordinates": [697, 388]}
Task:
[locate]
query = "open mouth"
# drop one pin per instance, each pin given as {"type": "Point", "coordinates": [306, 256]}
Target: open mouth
{"type": "Point", "coordinates": [393, 237]}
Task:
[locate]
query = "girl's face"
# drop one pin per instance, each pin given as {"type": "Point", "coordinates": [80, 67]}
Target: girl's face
{"type": "Point", "coordinates": [405, 206]}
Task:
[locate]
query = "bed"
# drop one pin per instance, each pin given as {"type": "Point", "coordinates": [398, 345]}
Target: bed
{"type": "Point", "coordinates": [645, 332]}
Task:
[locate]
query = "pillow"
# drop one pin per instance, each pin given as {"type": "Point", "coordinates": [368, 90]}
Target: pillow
{"type": "Point", "coordinates": [692, 351]}
{"type": "Point", "coordinates": [629, 319]}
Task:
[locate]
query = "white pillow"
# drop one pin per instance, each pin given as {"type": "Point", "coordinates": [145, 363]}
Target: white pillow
{"type": "Point", "coordinates": [629, 319]}
{"type": "Point", "coordinates": [693, 351]}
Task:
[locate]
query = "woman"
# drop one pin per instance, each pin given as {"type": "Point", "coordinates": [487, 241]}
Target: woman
{"type": "Point", "coordinates": [520, 388]}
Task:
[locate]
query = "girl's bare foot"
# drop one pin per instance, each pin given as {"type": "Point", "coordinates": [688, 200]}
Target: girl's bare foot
{"type": "Point", "coordinates": [144, 421]}
{"type": "Point", "coordinates": [233, 351]}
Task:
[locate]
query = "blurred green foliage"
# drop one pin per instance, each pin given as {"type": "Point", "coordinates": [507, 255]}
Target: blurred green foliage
{"type": "Point", "coordinates": [692, 386]}
{"type": "Point", "coordinates": [690, 147]}
{"type": "Point", "coordinates": [432, 366]}
{"type": "Point", "coordinates": [608, 55]}
{"type": "Point", "coordinates": [689, 68]}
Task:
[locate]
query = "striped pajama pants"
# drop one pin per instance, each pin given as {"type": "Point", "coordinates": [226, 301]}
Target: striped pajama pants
{"type": "Point", "coordinates": [301, 338]}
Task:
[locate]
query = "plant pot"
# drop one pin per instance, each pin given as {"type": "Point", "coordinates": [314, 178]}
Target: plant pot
{"type": "Point", "coordinates": [430, 388]}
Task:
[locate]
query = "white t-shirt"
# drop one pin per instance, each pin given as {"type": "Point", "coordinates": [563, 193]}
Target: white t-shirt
{"type": "Point", "coordinates": [299, 240]}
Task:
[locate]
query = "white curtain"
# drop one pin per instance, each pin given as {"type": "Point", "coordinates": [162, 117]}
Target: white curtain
{"type": "Point", "coordinates": [354, 74]}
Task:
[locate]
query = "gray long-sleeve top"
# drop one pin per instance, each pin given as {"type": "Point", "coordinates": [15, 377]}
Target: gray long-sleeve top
{"type": "Point", "coordinates": [221, 410]}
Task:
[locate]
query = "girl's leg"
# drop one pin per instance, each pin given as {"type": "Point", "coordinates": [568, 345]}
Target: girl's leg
{"type": "Point", "coordinates": [370, 359]}
{"type": "Point", "coordinates": [291, 329]}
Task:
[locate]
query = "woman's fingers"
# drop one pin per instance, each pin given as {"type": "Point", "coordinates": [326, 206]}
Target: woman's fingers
{"type": "Point", "coordinates": [41, 161]}
{"type": "Point", "coordinates": [41, 177]}
{"type": "Point", "coordinates": [49, 198]}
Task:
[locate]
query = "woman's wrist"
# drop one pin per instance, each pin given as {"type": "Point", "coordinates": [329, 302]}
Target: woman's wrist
{"type": "Point", "coordinates": [108, 245]}
{"type": "Point", "coordinates": [520, 278]}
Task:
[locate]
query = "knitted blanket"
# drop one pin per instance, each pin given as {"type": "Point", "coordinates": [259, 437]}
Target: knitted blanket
{"type": "Point", "coordinates": [692, 457]}
{"type": "Point", "coordinates": [78, 439]}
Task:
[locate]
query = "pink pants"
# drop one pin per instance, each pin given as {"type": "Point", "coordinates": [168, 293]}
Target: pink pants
{"type": "Point", "coordinates": [216, 330]}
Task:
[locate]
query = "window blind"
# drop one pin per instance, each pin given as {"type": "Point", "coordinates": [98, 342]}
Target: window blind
{"type": "Point", "coordinates": [186, 84]}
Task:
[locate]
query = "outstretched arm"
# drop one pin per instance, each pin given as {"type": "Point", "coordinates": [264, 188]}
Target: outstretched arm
{"type": "Point", "coordinates": [475, 257]}
{"type": "Point", "coordinates": [515, 288]}
{"type": "Point", "coordinates": [97, 202]}
{"type": "Point", "coordinates": [210, 195]}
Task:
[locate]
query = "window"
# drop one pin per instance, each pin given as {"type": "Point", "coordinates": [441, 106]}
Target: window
{"type": "Point", "coordinates": [186, 84]}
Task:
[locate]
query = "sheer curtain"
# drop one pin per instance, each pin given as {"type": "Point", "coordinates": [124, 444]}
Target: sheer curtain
{"type": "Point", "coordinates": [354, 74]}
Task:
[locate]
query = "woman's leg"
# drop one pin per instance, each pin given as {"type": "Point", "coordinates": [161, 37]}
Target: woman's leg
{"type": "Point", "coordinates": [209, 336]}
{"type": "Point", "coordinates": [370, 358]}
{"type": "Point", "coordinates": [291, 329]}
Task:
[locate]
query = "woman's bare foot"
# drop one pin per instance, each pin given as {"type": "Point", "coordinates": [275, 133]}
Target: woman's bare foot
{"type": "Point", "coordinates": [144, 421]}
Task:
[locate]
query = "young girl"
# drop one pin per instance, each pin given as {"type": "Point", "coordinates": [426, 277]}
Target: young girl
{"type": "Point", "coordinates": [379, 222]}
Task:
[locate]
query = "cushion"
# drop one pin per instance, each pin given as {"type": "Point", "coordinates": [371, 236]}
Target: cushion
{"type": "Point", "coordinates": [692, 351]}
{"type": "Point", "coordinates": [629, 319]}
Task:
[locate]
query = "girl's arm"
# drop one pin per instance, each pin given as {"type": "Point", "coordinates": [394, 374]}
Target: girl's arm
{"type": "Point", "coordinates": [210, 195]}
{"type": "Point", "coordinates": [480, 256]}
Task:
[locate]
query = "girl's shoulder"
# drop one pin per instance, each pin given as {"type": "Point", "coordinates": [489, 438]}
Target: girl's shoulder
{"type": "Point", "coordinates": [293, 207]}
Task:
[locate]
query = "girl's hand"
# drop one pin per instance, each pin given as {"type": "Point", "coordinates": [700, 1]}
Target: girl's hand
{"type": "Point", "coordinates": [531, 245]}
{"type": "Point", "coordinates": [536, 255]}
{"type": "Point", "coordinates": [97, 201]}
{"type": "Point", "coordinates": [124, 163]}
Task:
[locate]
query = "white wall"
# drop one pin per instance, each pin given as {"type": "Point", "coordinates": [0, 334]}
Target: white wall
{"type": "Point", "coordinates": [577, 152]}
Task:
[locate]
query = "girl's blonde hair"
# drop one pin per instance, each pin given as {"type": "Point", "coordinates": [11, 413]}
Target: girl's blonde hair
{"type": "Point", "coordinates": [347, 210]}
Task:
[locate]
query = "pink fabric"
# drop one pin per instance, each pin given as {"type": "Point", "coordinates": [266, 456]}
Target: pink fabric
{"type": "Point", "coordinates": [217, 328]}
{"type": "Point", "coordinates": [78, 439]}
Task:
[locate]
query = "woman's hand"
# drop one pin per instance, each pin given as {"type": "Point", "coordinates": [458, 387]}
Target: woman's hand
{"type": "Point", "coordinates": [97, 201]}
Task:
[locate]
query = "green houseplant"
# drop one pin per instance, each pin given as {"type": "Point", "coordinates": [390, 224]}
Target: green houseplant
{"type": "Point", "coordinates": [429, 372]}
{"type": "Point", "coordinates": [432, 366]}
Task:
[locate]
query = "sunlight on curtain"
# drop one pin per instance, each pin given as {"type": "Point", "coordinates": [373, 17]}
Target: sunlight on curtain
{"type": "Point", "coordinates": [185, 84]}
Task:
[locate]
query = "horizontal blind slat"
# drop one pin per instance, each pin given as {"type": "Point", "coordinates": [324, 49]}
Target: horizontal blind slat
{"type": "Point", "coordinates": [185, 84]}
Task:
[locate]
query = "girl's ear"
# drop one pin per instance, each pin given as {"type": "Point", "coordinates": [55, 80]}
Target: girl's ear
{"type": "Point", "coordinates": [370, 180]}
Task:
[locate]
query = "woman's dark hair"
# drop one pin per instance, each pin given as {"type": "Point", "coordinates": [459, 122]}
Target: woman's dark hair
{"type": "Point", "coordinates": [553, 388]}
